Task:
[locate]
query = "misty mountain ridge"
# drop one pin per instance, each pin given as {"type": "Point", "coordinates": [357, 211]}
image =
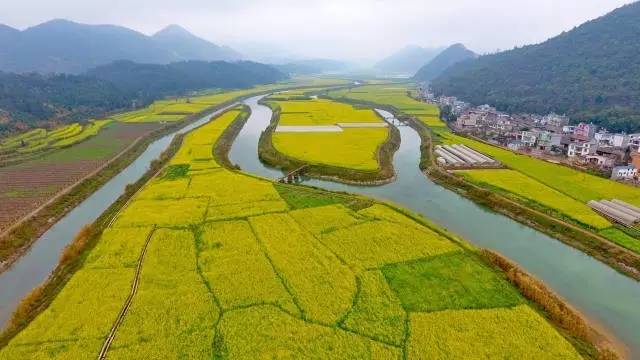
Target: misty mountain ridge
{"type": "Point", "coordinates": [63, 46]}
{"type": "Point", "coordinates": [407, 60]}
{"type": "Point", "coordinates": [452, 55]}
{"type": "Point", "coordinates": [186, 46]}
{"type": "Point", "coordinates": [591, 73]}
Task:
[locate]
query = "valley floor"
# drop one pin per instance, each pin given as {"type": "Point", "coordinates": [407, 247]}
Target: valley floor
{"type": "Point", "coordinates": [229, 265]}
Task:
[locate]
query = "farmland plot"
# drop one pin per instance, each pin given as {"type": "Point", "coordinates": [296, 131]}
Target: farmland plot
{"type": "Point", "coordinates": [27, 185]}
{"type": "Point", "coordinates": [173, 313]}
{"type": "Point", "coordinates": [465, 335]}
{"type": "Point", "coordinates": [521, 185]}
{"type": "Point", "coordinates": [354, 148]}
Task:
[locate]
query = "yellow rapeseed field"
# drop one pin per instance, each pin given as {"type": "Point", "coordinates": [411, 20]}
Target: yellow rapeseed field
{"type": "Point", "coordinates": [466, 334]}
{"type": "Point", "coordinates": [173, 312]}
{"type": "Point", "coordinates": [524, 186]}
{"type": "Point", "coordinates": [237, 269]}
{"type": "Point", "coordinates": [353, 148]}
{"type": "Point", "coordinates": [232, 271]}
{"type": "Point", "coordinates": [321, 283]}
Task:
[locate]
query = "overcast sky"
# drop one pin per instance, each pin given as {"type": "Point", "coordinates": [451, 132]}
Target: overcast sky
{"type": "Point", "coordinates": [355, 29]}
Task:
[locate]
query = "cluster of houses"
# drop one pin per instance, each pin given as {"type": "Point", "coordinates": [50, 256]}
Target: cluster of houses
{"type": "Point", "coordinates": [550, 137]}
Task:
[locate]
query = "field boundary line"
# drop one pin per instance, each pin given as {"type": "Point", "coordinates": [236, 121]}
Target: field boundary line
{"type": "Point", "coordinates": [125, 308]}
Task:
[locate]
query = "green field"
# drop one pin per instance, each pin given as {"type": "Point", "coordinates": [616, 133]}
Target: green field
{"type": "Point", "coordinates": [353, 148]}
{"type": "Point", "coordinates": [239, 267]}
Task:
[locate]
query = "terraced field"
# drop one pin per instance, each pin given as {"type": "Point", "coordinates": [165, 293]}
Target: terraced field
{"type": "Point", "coordinates": [238, 267]}
{"type": "Point", "coordinates": [38, 141]}
{"type": "Point", "coordinates": [347, 147]}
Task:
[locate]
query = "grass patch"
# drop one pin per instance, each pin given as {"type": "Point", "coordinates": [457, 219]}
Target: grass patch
{"type": "Point", "coordinates": [302, 198]}
{"type": "Point", "coordinates": [173, 172]}
{"type": "Point", "coordinates": [621, 238]}
{"type": "Point", "coordinates": [450, 281]}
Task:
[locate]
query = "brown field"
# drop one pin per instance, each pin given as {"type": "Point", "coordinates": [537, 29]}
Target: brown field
{"type": "Point", "coordinates": [26, 186]}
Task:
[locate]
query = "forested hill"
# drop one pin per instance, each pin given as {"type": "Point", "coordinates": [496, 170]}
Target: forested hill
{"type": "Point", "coordinates": [449, 57]}
{"type": "Point", "coordinates": [150, 81]}
{"type": "Point", "coordinates": [591, 73]}
{"type": "Point", "coordinates": [28, 100]}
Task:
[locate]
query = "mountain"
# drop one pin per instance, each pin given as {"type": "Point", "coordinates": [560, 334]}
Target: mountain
{"type": "Point", "coordinates": [62, 46]}
{"type": "Point", "coordinates": [407, 60]}
{"type": "Point", "coordinates": [451, 56]}
{"type": "Point", "coordinates": [30, 99]}
{"type": "Point", "coordinates": [7, 33]}
{"type": "Point", "coordinates": [591, 73]}
{"type": "Point", "coordinates": [185, 46]}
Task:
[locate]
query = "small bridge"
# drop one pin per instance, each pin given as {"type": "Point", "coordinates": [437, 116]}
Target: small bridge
{"type": "Point", "coordinates": [294, 175]}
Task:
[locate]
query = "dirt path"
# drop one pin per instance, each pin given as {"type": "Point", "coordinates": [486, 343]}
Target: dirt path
{"type": "Point", "coordinates": [123, 312]}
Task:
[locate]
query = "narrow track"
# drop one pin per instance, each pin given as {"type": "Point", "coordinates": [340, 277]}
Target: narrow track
{"type": "Point", "coordinates": [125, 308]}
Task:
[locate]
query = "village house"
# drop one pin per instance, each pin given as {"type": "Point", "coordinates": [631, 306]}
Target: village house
{"type": "Point", "coordinates": [600, 161]}
{"type": "Point", "coordinates": [624, 172]}
{"type": "Point", "coordinates": [609, 139]}
{"type": "Point", "coordinates": [584, 132]}
{"type": "Point", "coordinates": [582, 148]}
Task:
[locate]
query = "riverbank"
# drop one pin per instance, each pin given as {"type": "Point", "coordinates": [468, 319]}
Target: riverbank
{"type": "Point", "coordinates": [621, 259]}
{"type": "Point", "coordinates": [384, 156]}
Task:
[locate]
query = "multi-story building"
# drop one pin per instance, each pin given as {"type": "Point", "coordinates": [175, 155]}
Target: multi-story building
{"type": "Point", "coordinates": [582, 148]}
{"type": "Point", "coordinates": [609, 139]}
{"type": "Point", "coordinates": [584, 132]}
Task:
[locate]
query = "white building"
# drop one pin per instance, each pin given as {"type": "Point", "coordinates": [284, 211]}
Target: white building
{"type": "Point", "coordinates": [624, 172]}
{"type": "Point", "coordinates": [616, 140]}
{"type": "Point", "coordinates": [582, 148]}
{"type": "Point", "coordinates": [529, 138]}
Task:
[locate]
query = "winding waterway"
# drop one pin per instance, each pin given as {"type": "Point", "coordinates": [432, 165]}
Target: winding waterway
{"type": "Point", "coordinates": [604, 295]}
{"type": "Point", "coordinates": [34, 267]}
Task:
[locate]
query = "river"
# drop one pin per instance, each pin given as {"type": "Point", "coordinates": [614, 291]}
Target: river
{"type": "Point", "coordinates": [607, 297]}
{"type": "Point", "coordinates": [33, 268]}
